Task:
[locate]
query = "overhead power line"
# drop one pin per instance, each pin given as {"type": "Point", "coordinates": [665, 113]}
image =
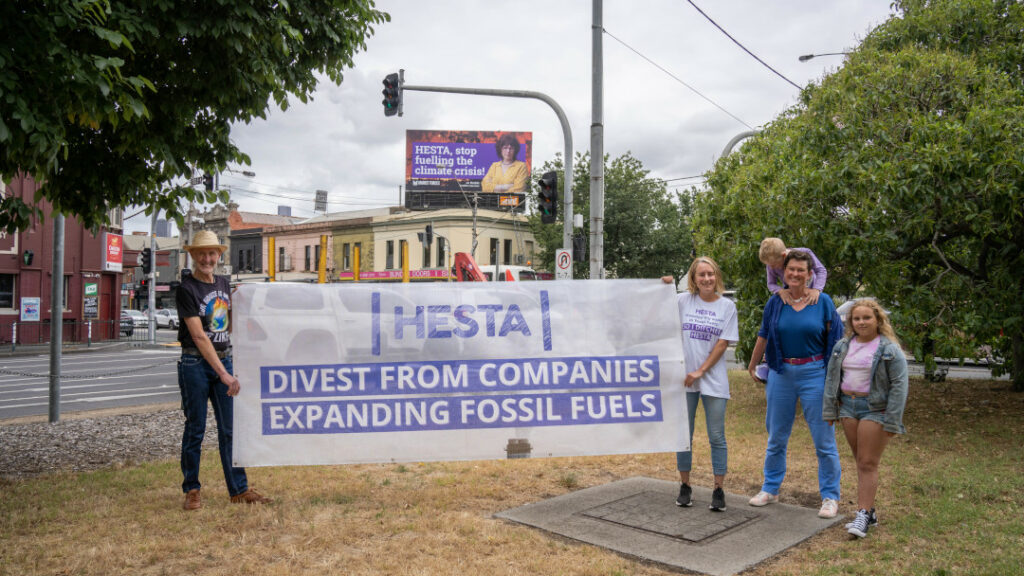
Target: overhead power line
{"type": "Point", "coordinates": [677, 79]}
{"type": "Point", "coordinates": [729, 36]}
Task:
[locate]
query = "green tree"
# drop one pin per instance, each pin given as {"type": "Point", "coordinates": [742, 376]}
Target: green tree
{"type": "Point", "coordinates": [646, 228]}
{"type": "Point", "coordinates": [904, 172]}
{"type": "Point", "coordinates": [107, 102]}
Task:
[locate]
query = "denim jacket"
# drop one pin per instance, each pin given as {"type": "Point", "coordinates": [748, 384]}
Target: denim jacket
{"type": "Point", "coordinates": [888, 383]}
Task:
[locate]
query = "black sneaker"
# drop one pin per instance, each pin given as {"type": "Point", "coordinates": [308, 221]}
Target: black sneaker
{"type": "Point", "coordinates": [717, 500]}
{"type": "Point", "coordinates": [684, 495]}
{"type": "Point", "coordinates": [859, 526]}
{"type": "Point", "coordinates": [872, 520]}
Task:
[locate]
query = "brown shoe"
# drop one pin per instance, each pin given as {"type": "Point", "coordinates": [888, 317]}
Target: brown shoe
{"type": "Point", "coordinates": [250, 496]}
{"type": "Point", "coordinates": [192, 501]}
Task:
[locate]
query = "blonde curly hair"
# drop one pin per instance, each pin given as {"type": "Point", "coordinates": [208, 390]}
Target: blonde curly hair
{"type": "Point", "coordinates": [884, 326]}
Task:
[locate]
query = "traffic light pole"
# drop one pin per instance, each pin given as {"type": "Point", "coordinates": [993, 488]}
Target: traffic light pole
{"type": "Point", "coordinates": [566, 133]}
{"type": "Point", "coordinates": [152, 278]}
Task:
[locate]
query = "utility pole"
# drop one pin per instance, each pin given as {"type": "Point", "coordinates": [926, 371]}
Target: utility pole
{"type": "Point", "coordinates": [56, 315]}
{"type": "Point", "coordinates": [152, 278]}
{"type": "Point", "coordinates": [597, 147]}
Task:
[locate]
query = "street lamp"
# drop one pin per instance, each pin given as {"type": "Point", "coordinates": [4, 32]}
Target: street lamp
{"type": "Point", "coordinates": [807, 57]}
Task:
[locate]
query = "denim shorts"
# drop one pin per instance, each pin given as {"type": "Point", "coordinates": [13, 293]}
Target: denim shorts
{"type": "Point", "coordinates": [857, 408]}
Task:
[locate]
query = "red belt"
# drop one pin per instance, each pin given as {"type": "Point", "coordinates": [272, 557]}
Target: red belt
{"type": "Point", "coordinates": [799, 361]}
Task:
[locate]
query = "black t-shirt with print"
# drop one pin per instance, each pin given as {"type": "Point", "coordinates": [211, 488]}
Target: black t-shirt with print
{"type": "Point", "coordinates": [210, 302]}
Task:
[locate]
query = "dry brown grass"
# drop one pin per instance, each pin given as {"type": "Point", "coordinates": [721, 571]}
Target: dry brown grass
{"type": "Point", "coordinates": [436, 518]}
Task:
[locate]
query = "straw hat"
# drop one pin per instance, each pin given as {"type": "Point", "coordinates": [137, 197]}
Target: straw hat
{"type": "Point", "coordinates": [205, 239]}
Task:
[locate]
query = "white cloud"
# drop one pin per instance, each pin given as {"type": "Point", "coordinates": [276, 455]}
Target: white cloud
{"type": "Point", "coordinates": [343, 143]}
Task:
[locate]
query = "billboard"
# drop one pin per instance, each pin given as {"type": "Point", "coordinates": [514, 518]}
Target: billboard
{"type": "Point", "coordinates": [444, 167]}
{"type": "Point", "coordinates": [113, 252]}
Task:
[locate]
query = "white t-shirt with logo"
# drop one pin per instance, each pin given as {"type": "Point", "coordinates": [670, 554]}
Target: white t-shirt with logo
{"type": "Point", "coordinates": [704, 324]}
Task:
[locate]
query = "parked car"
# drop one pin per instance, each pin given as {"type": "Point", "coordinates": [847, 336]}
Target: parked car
{"type": "Point", "coordinates": [139, 320]}
{"type": "Point", "coordinates": [167, 318]}
{"type": "Point", "coordinates": [127, 325]}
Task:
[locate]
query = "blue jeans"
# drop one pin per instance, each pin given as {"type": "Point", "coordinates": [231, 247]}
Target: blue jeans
{"type": "Point", "coordinates": [199, 383]}
{"type": "Point", "coordinates": [714, 417]}
{"type": "Point", "coordinates": [805, 382]}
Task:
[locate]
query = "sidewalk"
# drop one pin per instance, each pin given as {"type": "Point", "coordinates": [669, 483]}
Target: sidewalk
{"type": "Point", "coordinates": [80, 347]}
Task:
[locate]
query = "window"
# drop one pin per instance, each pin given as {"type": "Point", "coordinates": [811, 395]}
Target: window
{"type": "Point", "coordinates": [7, 290]}
{"type": "Point", "coordinates": [316, 257]}
{"type": "Point", "coordinates": [249, 265]}
{"type": "Point", "coordinates": [389, 261]}
{"type": "Point", "coordinates": [240, 263]}
{"type": "Point", "coordinates": [280, 259]}
{"type": "Point", "coordinates": [426, 256]}
{"type": "Point", "coordinates": [529, 251]}
{"type": "Point", "coordinates": [494, 251]}
{"type": "Point", "coordinates": [506, 257]}
{"type": "Point", "coordinates": [307, 268]}
{"type": "Point", "coordinates": [67, 288]}
{"type": "Point", "coordinates": [441, 257]}
{"type": "Point", "coordinates": [345, 263]}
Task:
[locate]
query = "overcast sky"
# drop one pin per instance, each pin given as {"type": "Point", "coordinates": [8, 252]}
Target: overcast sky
{"type": "Point", "coordinates": [342, 142]}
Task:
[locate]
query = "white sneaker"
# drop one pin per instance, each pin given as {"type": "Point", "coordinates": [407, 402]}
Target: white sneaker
{"type": "Point", "coordinates": [763, 499]}
{"type": "Point", "coordinates": [829, 508]}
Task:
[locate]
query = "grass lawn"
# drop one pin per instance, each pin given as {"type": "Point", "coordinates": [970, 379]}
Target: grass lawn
{"type": "Point", "coordinates": [951, 502]}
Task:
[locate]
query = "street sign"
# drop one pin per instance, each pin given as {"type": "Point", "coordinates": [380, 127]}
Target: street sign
{"type": "Point", "coordinates": [563, 264]}
{"type": "Point", "coordinates": [195, 180]}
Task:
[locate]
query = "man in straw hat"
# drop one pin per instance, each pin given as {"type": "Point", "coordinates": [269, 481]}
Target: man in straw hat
{"type": "Point", "coordinates": [205, 370]}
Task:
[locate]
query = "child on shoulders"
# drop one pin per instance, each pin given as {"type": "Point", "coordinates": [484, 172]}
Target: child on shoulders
{"type": "Point", "coordinates": [772, 253]}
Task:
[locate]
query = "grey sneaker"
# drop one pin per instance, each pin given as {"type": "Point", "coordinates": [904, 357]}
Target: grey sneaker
{"type": "Point", "coordinates": [859, 526]}
{"type": "Point", "coordinates": [684, 496]}
{"type": "Point", "coordinates": [717, 500]}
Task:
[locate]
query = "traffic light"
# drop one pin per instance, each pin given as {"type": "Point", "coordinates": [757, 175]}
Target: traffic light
{"type": "Point", "coordinates": [392, 95]}
{"type": "Point", "coordinates": [208, 182]}
{"type": "Point", "coordinates": [428, 235]}
{"type": "Point", "coordinates": [579, 248]}
{"type": "Point", "coordinates": [147, 260]}
{"type": "Point", "coordinates": [547, 197]}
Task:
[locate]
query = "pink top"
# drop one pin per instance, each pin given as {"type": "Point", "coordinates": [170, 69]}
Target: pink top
{"type": "Point", "coordinates": [857, 366]}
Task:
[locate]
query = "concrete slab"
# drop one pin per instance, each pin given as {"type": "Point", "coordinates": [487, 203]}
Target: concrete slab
{"type": "Point", "coordinates": [638, 517]}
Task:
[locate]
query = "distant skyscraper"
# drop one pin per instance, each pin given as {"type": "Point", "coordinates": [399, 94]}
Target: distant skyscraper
{"type": "Point", "coordinates": [163, 228]}
{"type": "Point", "coordinates": [284, 210]}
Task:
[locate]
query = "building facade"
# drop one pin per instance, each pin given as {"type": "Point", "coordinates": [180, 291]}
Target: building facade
{"type": "Point", "coordinates": [92, 275]}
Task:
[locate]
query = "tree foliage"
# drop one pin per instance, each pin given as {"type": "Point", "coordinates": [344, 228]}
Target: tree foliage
{"type": "Point", "coordinates": [106, 102]}
{"type": "Point", "coordinates": [903, 171]}
{"type": "Point", "coordinates": [646, 228]}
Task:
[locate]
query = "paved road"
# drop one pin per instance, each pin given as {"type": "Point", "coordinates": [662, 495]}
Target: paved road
{"type": "Point", "coordinates": [92, 381]}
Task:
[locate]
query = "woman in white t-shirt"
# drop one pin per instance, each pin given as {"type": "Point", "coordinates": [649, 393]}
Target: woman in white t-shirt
{"type": "Point", "coordinates": [709, 325]}
{"type": "Point", "coordinates": [866, 390]}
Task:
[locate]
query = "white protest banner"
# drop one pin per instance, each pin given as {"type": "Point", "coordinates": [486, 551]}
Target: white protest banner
{"type": "Point", "coordinates": [347, 373]}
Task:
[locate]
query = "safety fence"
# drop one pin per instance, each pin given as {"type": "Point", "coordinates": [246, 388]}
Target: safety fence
{"type": "Point", "coordinates": [14, 333]}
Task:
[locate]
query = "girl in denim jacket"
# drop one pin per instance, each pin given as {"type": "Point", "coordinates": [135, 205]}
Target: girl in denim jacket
{"type": "Point", "coordinates": [866, 389]}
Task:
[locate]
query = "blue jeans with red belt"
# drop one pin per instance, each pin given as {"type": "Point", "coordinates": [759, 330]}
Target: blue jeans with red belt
{"type": "Point", "coordinates": [806, 383]}
{"type": "Point", "coordinates": [199, 383]}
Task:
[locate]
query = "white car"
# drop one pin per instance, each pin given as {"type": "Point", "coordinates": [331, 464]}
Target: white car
{"type": "Point", "coordinates": [167, 318]}
{"type": "Point", "coordinates": [139, 320]}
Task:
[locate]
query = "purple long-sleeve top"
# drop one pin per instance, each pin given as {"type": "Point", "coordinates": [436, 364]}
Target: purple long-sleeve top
{"type": "Point", "coordinates": [820, 274]}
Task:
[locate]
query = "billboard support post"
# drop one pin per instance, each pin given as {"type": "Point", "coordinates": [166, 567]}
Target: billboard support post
{"type": "Point", "coordinates": [566, 133]}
